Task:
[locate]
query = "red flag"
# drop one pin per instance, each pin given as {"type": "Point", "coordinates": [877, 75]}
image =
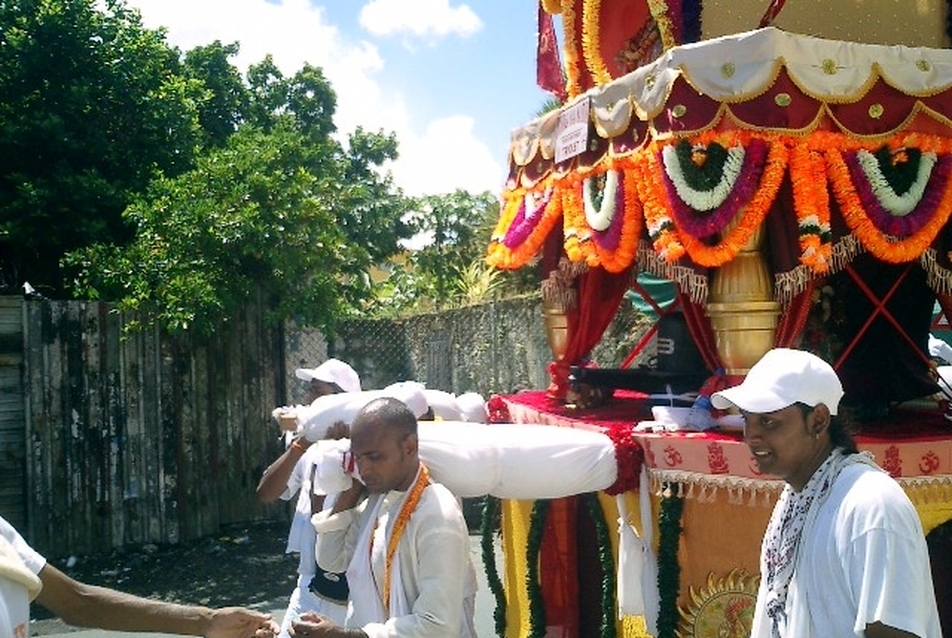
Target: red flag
{"type": "Point", "coordinates": [549, 74]}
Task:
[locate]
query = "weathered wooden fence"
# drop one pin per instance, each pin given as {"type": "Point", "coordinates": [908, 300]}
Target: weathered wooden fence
{"type": "Point", "coordinates": [141, 437]}
{"type": "Point", "coordinates": [109, 439]}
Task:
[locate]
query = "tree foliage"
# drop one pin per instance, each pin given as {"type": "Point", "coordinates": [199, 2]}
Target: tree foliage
{"type": "Point", "coordinates": [92, 107]}
{"type": "Point", "coordinates": [282, 208]}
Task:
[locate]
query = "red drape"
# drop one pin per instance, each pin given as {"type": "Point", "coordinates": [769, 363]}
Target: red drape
{"type": "Point", "coordinates": [599, 294]}
{"type": "Point", "coordinates": [558, 569]}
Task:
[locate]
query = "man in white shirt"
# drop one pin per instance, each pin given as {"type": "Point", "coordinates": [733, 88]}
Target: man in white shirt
{"type": "Point", "coordinates": [405, 547]}
{"type": "Point", "coordinates": [844, 553]}
{"type": "Point", "coordinates": [292, 474]}
{"type": "Point", "coordinates": [26, 576]}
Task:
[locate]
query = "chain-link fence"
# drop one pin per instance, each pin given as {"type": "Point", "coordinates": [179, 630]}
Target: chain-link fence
{"type": "Point", "coordinates": [496, 347]}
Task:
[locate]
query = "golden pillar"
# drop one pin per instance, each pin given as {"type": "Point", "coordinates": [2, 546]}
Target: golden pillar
{"type": "Point", "coordinates": [742, 309]}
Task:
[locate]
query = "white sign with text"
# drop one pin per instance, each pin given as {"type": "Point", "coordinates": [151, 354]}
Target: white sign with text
{"type": "Point", "coordinates": [572, 131]}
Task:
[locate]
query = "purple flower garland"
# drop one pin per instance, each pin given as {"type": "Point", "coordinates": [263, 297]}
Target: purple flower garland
{"type": "Point", "coordinates": [524, 224]}
{"type": "Point", "coordinates": [609, 238]}
{"type": "Point", "coordinates": [706, 224]}
{"type": "Point", "coordinates": [905, 225]}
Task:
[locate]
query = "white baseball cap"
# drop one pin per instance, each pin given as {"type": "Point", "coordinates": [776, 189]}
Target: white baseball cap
{"type": "Point", "coordinates": [332, 371]}
{"type": "Point", "coordinates": [781, 378]}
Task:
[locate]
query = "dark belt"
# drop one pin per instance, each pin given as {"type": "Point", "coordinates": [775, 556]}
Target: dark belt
{"type": "Point", "coordinates": [330, 586]}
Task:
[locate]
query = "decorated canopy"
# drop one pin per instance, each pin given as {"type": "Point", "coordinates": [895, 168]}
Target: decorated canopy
{"type": "Point", "coordinates": [832, 150]}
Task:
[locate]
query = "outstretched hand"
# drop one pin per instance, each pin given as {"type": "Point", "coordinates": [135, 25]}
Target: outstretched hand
{"type": "Point", "coordinates": [312, 625]}
{"type": "Point", "coordinates": [238, 622]}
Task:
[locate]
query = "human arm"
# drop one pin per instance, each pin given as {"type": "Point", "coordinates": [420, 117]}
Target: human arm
{"type": "Point", "coordinates": [86, 605]}
{"type": "Point", "coordinates": [275, 479]}
{"type": "Point", "coordinates": [879, 630]}
{"type": "Point", "coordinates": [311, 624]}
{"type": "Point", "coordinates": [337, 529]}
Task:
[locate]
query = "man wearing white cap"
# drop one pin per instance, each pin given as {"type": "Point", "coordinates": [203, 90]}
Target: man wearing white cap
{"type": "Point", "coordinates": [844, 553]}
{"type": "Point", "coordinates": [331, 377]}
{"type": "Point", "coordinates": [293, 473]}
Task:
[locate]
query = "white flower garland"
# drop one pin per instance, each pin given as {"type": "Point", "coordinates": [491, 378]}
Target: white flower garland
{"type": "Point", "coordinates": [601, 219]}
{"type": "Point", "coordinates": [709, 199]}
{"type": "Point", "coordinates": [895, 204]}
{"type": "Point", "coordinates": [533, 201]}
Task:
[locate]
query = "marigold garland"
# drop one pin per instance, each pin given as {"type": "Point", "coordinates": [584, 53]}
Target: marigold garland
{"type": "Point", "coordinates": [409, 506]}
{"type": "Point", "coordinates": [661, 229]}
{"type": "Point", "coordinates": [812, 204]}
{"type": "Point", "coordinates": [753, 213]}
{"type": "Point", "coordinates": [592, 42]}
{"type": "Point", "coordinates": [505, 250]}
{"type": "Point", "coordinates": [741, 174]}
{"type": "Point", "coordinates": [670, 240]}
{"type": "Point", "coordinates": [576, 232]}
{"type": "Point", "coordinates": [894, 250]}
{"type": "Point", "coordinates": [614, 248]}
{"type": "Point", "coordinates": [919, 211]}
{"type": "Point", "coordinates": [573, 78]}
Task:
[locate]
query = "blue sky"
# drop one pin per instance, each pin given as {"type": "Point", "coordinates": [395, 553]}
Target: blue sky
{"type": "Point", "coordinates": [450, 79]}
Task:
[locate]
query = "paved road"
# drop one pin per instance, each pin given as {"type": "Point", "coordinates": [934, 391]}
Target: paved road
{"type": "Point", "coordinates": [485, 604]}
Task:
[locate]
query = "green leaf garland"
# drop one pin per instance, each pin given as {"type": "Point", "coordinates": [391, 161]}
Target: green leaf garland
{"type": "Point", "coordinates": [669, 571]}
{"type": "Point", "coordinates": [606, 558]}
{"type": "Point", "coordinates": [492, 512]}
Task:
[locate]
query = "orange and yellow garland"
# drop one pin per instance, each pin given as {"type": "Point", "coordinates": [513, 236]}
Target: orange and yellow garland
{"type": "Point", "coordinates": [399, 525]}
{"type": "Point", "coordinates": [885, 248]}
{"type": "Point", "coordinates": [812, 202]}
{"type": "Point", "coordinates": [817, 170]}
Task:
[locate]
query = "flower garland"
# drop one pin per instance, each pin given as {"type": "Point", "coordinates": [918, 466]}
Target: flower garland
{"type": "Point", "coordinates": [754, 193]}
{"type": "Point", "coordinates": [606, 560]}
{"type": "Point", "coordinates": [754, 212]}
{"type": "Point", "coordinates": [573, 77]}
{"type": "Point", "coordinates": [629, 457]}
{"type": "Point", "coordinates": [406, 510]}
{"type": "Point", "coordinates": [527, 218]}
{"type": "Point", "coordinates": [577, 237]}
{"type": "Point", "coordinates": [812, 204]}
{"type": "Point", "coordinates": [591, 42]}
{"type": "Point", "coordinates": [669, 570]}
{"type": "Point", "coordinates": [661, 231]}
{"type": "Point", "coordinates": [488, 527]}
{"type": "Point", "coordinates": [522, 229]}
{"type": "Point", "coordinates": [618, 204]}
{"type": "Point", "coordinates": [702, 177]}
{"type": "Point", "coordinates": [599, 213]}
{"type": "Point", "coordinates": [659, 11]}
{"type": "Point", "coordinates": [919, 210]}
{"type": "Point", "coordinates": [891, 249]}
{"type": "Point", "coordinates": [727, 196]}
{"type": "Point", "coordinates": [537, 619]}
{"type": "Point", "coordinates": [912, 171]}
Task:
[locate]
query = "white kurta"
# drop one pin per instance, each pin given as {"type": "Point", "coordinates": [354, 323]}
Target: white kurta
{"type": "Point", "coordinates": [429, 574]}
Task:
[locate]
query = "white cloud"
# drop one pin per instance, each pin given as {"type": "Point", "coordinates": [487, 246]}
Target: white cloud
{"type": "Point", "coordinates": [419, 17]}
{"type": "Point", "coordinates": [445, 157]}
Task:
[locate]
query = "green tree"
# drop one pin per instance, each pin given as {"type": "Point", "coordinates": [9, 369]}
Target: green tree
{"type": "Point", "coordinates": [282, 208]}
{"type": "Point", "coordinates": [227, 99]}
{"type": "Point", "coordinates": [456, 227]}
{"type": "Point", "coordinates": [92, 107]}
